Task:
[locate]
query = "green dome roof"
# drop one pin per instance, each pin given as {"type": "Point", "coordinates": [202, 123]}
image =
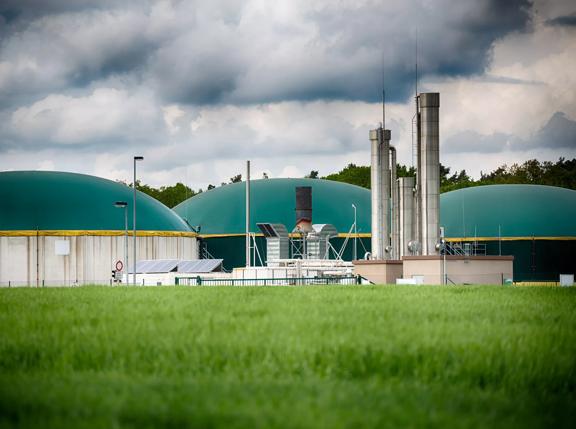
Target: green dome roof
{"type": "Point", "coordinates": [221, 210]}
{"type": "Point", "coordinates": [66, 201]}
{"type": "Point", "coordinates": [520, 211]}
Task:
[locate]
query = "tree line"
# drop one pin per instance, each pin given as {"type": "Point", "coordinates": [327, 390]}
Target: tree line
{"type": "Point", "coordinates": [561, 173]}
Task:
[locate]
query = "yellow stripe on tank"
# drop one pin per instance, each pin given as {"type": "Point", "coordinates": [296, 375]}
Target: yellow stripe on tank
{"type": "Point", "coordinates": [77, 233]}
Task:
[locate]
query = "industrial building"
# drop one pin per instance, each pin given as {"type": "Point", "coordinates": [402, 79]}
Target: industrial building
{"type": "Point", "coordinates": [219, 214]}
{"type": "Point", "coordinates": [534, 224]}
{"type": "Point", "coordinates": [67, 229]}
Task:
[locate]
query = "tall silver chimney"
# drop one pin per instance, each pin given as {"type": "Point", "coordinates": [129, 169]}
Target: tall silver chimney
{"type": "Point", "coordinates": [429, 171]}
{"type": "Point", "coordinates": [380, 190]}
{"type": "Point", "coordinates": [406, 214]}
{"type": "Point", "coordinates": [394, 233]}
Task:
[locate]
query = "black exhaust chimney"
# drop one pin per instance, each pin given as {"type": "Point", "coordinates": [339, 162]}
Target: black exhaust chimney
{"type": "Point", "coordinates": [304, 208]}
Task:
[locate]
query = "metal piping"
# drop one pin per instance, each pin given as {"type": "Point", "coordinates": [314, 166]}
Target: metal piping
{"type": "Point", "coordinates": [417, 233]}
{"type": "Point", "coordinates": [380, 190]}
{"type": "Point", "coordinates": [248, 259]}
{"type": "Point", "coordinates": [429, 172]}
{"type": "Point", "coordinates": [395, 252]}
{"type": "Point", "coordinates": [375, 193]}
{"type": "Point", "coordinates": [405, 214]}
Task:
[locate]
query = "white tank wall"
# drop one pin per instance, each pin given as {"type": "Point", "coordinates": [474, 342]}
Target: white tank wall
{"type": "Point", "coordinates": [91, 259]}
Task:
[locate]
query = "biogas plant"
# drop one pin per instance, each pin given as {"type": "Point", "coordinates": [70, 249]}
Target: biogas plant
{"type": "Point", "coordinates": [64, 229]}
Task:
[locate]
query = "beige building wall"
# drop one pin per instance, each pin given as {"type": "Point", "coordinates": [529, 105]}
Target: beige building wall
{"type": "Point", "coordinates": [459, 269]}
{"type": "Point", "coordinates": [379, 271]}
{"type": "Point", "coordinates": [32, 260]}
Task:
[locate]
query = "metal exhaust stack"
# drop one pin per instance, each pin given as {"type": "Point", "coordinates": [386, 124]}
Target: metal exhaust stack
{"type": "Point", "coordinates": [429, 171]}
{"type": "Point", "coordinates": [380, 190]}
{"type": "Point", "coordinates": [406, 214]}
{"type": "Point", "coordinates": [303, 209]}
{"type": "Point", "coordinates": [395, 251]}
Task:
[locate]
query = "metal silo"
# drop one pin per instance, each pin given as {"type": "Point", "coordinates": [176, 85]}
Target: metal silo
{"type": "Point", "coordinates": [429, 171]}
{"type": "Point", "coordinates": [406, 213]}
{"type": "Point", "coordinates": [380, 190]}
{"type": "Point", "coordinates": [395, 251]}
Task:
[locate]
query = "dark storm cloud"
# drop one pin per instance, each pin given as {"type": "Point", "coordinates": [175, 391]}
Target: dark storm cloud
{"type": "Point", "coordinates": [14, 10]}
{"type": "Point", "coordinates": [558, 133]}
{"type": "Point", "coordinates": [563, 21]}
{"type": "Point", "coordinates": [472, 141]}
{"type": "Point", "coordinates": [232, 52]}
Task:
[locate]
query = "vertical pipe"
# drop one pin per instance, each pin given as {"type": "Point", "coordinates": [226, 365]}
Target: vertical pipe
{"type": "Point", "coordinates": [385, 152]}
{"type": "Point", "coordinates": [126, 240]}
{"type": "Point", "coordinates": [136, 158]}
{"type": "Point", "coordinates": [380, 190]}
{"type": "Point", "coordinates": [394, 202]}
{"type": "Point", "coordinates": [406, 213]}
{"type": "Point", "coordinates": [376, 195]}
{"type": "Point", "coordinates": [134, 228]}
{"type": "Point", "coordinates": [417, 188]}
{"type": "Point", "coordinates": [355, 249]}
{"type": "Point", "coordinates": [248, 264]}
{"type": "Point", "coordinates": [37, 257]}
{"type": "Point", "coordinates": [429, 177]}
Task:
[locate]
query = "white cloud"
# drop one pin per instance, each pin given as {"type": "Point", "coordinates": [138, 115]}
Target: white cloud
{"type": "Point", "coordinates": [199, 87]}
{"type": "Point", "coordinates": [105, 114]}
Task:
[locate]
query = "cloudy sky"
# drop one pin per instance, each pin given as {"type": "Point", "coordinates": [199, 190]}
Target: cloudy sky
{"type": "Point", "coordinates": [198, 87]}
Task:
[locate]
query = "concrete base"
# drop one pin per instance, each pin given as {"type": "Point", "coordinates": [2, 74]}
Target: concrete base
{"type": "Point", "coordinates": [436, 269]}
{"type": "Point", "coordinates": [379, 271]}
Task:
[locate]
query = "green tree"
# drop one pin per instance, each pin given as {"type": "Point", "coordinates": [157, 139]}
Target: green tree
{"type": "Point", "coordinates": [360, 175]}
{"type": "Point", "coordinates": [170, 196]}
{"type": "Point", "coordinates": [353, 174]}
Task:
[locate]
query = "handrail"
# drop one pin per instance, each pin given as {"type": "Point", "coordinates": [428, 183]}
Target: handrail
{"type": "Point", "coordinates": [279, 281]}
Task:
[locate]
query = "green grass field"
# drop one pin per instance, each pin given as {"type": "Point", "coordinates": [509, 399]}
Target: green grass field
{"type": "Point", "coordinates": [294, 357]}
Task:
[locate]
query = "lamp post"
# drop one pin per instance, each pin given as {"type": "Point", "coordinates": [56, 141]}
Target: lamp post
{"type": "Point", "coordinates": [124, 205]}
{"type": "Point", "coordinates": [355, 255]}
{"type": "Point", "coordinates": [136, 158]}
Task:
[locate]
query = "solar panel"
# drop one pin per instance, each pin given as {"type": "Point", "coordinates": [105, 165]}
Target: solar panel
{"type": "Point", "coordinates": [156, 266]}
{"type": "Point", "coordinates": [199, 266]}
{"type": "Point", "coordinates": [183, 266]}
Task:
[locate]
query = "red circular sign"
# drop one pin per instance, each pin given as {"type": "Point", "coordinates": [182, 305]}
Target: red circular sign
{"type": "Point", "coordinates": [119, 266]}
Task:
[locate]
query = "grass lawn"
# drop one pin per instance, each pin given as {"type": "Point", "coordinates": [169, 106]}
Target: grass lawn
{"type": "Point", "coordinates": [294, 357]}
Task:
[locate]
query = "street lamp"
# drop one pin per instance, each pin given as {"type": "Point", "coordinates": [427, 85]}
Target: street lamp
{"type": "Point", "coordinates": [136, 158]}
{"type": "Point", "coordinates": [355, 255]}
{"type": "Point", "coordinates": [124, 205]}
